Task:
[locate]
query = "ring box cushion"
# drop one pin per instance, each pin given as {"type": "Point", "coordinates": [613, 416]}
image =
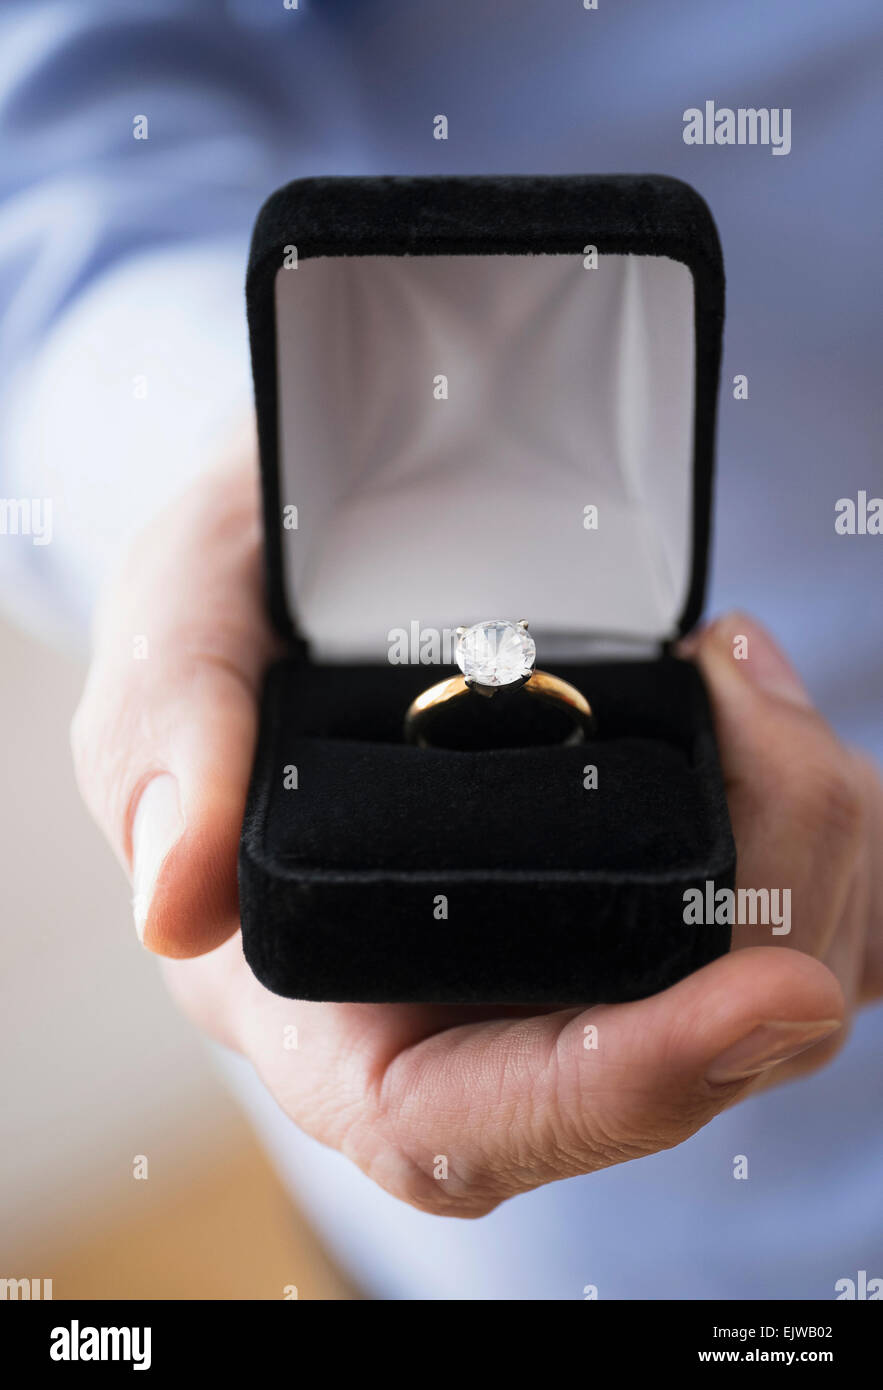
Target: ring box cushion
{"type": "Point", "coordinates": [445, 383]}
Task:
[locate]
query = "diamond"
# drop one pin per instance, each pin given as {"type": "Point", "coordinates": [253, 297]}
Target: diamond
{"type": "Point", "coordinates": [496, 653]}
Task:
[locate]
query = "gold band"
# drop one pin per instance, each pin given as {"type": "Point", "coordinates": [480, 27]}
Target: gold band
{"type": "Point", "coordinates": [550, 689]}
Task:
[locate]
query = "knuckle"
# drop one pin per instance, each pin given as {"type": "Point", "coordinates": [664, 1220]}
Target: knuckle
{"type": "Point", "coordinates": [461, 1203]}
{"type": "Point", "coordinates": [418, 1181]}
{"type": "Point", "coordinates": [824, 797]}
{"type": "Point", "coordinates": [434, 1176]}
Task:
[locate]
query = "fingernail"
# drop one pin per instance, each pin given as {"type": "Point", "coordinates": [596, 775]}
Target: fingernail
{"type": "Point", "coordinates": [758, 657]}
{"type": "Point", "coordinates": [766, 1046]}
{"type": "Point", "coordinates": [157, 827]}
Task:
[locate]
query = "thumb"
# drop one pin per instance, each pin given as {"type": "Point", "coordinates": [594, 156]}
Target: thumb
{"type": "Point", "coordinates": [164, 734]}
{"type": "Point", "coordinates": [514, 1104]}
{"type": "Point", "coordinates": [186, 822]}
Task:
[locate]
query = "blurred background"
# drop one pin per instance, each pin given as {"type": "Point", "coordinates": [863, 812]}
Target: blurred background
{"type": "Point", "coordinates": [98, 1066]}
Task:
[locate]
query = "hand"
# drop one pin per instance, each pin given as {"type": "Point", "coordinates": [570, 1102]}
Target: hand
{"type": "Point", "coordinates": [512, 1099]}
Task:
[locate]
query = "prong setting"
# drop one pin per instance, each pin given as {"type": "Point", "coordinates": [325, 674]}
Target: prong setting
{"type": "Point", "coordinates": [496, 654]}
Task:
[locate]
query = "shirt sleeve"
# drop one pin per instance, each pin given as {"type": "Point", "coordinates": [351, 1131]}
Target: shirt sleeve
{"type": "Point", "coordinates": [123, 353]}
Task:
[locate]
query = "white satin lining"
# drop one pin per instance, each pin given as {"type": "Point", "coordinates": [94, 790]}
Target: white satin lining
{"type": "Point", "coordinates": [567, 387]}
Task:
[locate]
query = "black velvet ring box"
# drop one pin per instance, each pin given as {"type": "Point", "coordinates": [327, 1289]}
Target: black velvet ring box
{"type": "Point", "coordinates": [483, 398]}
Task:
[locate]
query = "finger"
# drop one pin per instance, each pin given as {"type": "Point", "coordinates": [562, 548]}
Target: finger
{"type": "Point", "coordinates": [164, 734]}
{"type": "Point", "coordinates": [796, 810]}
{"type": "Point", "coordinates": [870, 985]}
{"type": "Point", "coordinates": [514, 1103]}
{"type": "Point", "coordinates": [520, 1104]}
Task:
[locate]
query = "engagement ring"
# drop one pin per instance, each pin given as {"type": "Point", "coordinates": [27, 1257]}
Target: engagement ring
{"type": "Point", "coordinates": [497, 657]}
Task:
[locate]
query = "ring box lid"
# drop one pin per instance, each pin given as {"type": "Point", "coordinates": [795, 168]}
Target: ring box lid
{"type": "Point", "coordinates": [452, 372]}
